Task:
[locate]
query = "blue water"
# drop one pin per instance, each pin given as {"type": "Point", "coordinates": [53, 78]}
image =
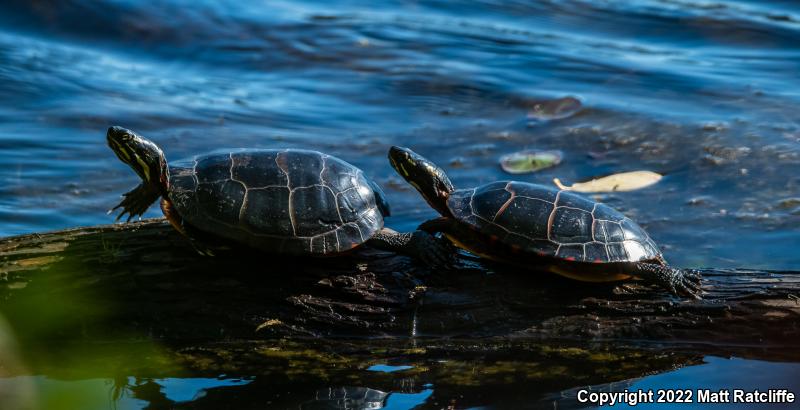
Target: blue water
{"type": "Point", "coordinates": [704, 92]}
{"type": "Point", "coordinates": [49, 393]}
{"type": "Point", "coordinates": [388, 368]}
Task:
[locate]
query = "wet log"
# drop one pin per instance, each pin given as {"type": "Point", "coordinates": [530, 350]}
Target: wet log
{"type": "Point", "coordinates": [143, 280]}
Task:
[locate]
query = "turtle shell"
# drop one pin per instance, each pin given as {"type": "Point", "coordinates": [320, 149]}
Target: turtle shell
{"type": "Point", "coordinates": [287, 201]}
{"type": "Point", "coordinates": [549, 222]}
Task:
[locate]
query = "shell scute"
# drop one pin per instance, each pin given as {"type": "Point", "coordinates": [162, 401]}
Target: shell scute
{"type": "Point", "coordinates": [301, 169]}
{"type": "Point", "coordinates": [267, 207]}
{"type": "Point", "coordinates": [570, 252]}
{"type": "Point", "coordinates": [571, 225]}
{"type": "Point", "coordinates": [315, 210]}
{"type": "Point", "coordinates": [630, 230]}
{"type": "Point", "coordinates": [258, 171]}
{"type": "Point", "coordinates": [223, 200]}
{"type": "Point", "coordinates": [617, 252]}
{"type": "Point", "coordinates": [534, 191]}
{"type": "Point", "coordinates": [215, 168]}
{"type": "Point", "coordinates": [635, 250]}
{"type": "Point", "coordinates": [517, 216]}
{"type": "Point", "coordinates": [491, 202]}
{"type": "Point", "coordinates": [348, 236]}
{"type": "Point", "coordinates": [612, 231]}
{"type": "Point", "coordinates": [339, 174]}
{"type": "Point", "coordinates": [595, 251]}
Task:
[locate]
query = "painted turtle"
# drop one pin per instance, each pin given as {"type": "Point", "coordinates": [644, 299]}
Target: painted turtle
{"type": "Point", "coordinates": [539, 227]}
{"type": "Point", "coordinates": [289, 201]}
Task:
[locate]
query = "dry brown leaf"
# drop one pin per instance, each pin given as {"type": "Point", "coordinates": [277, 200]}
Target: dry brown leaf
{"type": "Point", "coordinates": [625, 181]}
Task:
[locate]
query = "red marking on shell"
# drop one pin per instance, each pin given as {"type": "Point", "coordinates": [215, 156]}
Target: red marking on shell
{"type": "Point", "coordinates": [598, 261]}
{"type": "Point", "coordinates": [570, 258]}
{"type": "Point", "coordinates": [493, 238]}
{"type": "Point", "coordinates": [507, 203]}
{"type": "Point", "coordinates": [552, 216]}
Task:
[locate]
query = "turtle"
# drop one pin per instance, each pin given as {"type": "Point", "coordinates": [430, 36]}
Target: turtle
{"type": "Point", "coordinates": [541, 227]}
{"type": "Point", "coordinates": [286, 201]}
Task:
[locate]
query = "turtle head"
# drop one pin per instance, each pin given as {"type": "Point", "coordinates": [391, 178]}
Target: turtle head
{"type": "Point", "coordinates": [429, 179]}
{"type": "Point", "coordinates": [141, 154]}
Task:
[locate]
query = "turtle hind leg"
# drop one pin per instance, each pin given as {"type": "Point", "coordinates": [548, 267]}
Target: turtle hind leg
{"type": "Point", "coordinates": [680, 282]}
{"type": "Point", "coordinates": [203, 243]}
{"type": "Point", "coordinates": [136, 201]}
{"type": "Point", "coordinates": [200, 241]}
{"type": "Point", "coordinates": [202, 248]}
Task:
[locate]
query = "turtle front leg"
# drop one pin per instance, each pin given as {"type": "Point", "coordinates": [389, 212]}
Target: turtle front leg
{"type": "Point", "coordinates": [418, 244]}
{"type": "Point", "coordinates": [680, 282]}
{"type": "Point", "coordinates": [173, 216]}
{"type": "Point", "coordinates": [136, 201]}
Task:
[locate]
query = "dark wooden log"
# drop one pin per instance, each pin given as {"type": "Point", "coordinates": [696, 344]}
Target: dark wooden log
{"type": "Point", "coordinates": [143, 280]}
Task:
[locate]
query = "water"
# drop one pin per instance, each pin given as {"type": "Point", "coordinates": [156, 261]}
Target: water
{"type": "Point", "coordinates": [703, 92]}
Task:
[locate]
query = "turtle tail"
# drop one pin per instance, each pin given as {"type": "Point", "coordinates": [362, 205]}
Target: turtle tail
{"type": "Point", "coordinates": [136, 201]}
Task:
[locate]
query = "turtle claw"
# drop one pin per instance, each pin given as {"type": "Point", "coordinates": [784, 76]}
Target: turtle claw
{"type": "Point", "coordinates": [679, 282]}
{"type": "Point", "coordinates": [687, 291]}
{"type": "Point", "coordinates": [687, 283]}
{"type": "Point", "coordinates": [135, 202]}
{"type": "Point", "coordinates": [691, 283]}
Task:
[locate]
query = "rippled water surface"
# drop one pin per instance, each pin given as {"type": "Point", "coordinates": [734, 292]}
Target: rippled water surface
{"type": "Point", "coordinates": [703, 92]}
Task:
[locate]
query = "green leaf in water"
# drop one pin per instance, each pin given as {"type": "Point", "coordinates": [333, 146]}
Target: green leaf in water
{"type": "Point", "coordinates": [529, 161]}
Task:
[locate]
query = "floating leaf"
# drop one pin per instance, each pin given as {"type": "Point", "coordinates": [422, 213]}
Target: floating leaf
{"type": "Point", "coordinates": [626, 181]}
{"type": "Point", "coordinates": [555, 109]}
{"type": "Point", "coordinates": [788, 203]}
{"type": "Point", "coordinates": [529, 161]}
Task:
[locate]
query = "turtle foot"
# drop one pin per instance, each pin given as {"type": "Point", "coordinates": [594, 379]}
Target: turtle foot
{"type": "Point", "coordinates": [679, 282]}
{"type": "Point", "coordinates": [690, 284]}
{"type": "Point", "coordinates": [136, 201]}
{"type": "Point", "coordinates": [433, 251]}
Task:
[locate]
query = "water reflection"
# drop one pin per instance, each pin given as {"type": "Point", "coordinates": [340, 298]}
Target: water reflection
{"type": "Point", "coordinates": [311, 374]}
{"type": "Point", "coordinates": [388, 368]}
{"type": "Point", "coordinates": [429, 388]}
{"type": "Point", "coordinates": [347, 398]}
